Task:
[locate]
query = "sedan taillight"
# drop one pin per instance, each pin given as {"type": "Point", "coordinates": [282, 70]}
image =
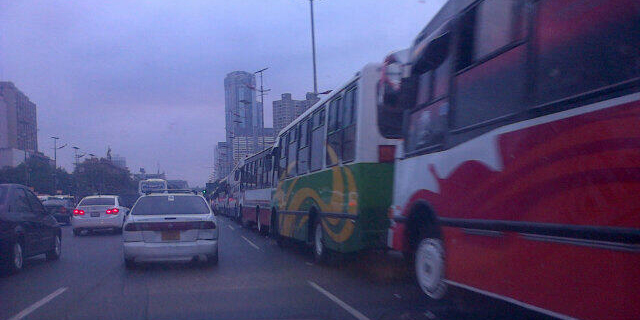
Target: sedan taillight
{"type": "Point", "coordinates": [113, 211]}
{"type": "Point", "coordinates": [78, 212]}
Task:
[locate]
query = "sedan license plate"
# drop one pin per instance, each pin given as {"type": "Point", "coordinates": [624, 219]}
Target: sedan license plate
{"type": "Point", "coordinates": [95, 214]}
{"type": "Point", "coordinates": [170, 235]}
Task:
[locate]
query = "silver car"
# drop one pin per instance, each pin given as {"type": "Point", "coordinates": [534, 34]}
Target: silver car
{"type": "Point", "coordinates": [99, 212]}
{"type": "Point", "coordinates": [170, 226]}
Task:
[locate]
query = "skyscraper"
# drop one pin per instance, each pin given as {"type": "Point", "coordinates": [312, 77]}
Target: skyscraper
{"type": "Point", "coordinates": [243, 115]}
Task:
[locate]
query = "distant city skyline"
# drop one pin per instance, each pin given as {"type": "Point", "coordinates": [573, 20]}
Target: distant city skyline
{"type": "Point", "coordinates": [147, 78]}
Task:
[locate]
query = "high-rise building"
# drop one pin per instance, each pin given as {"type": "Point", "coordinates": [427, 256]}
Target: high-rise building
{"type": "Point", "coordinates": [18, 126]}
{"type": "Point", "coordinates": [221, 166]}
{"type": "Point", "coordinates": [286, 109]}
{"type": "Point", "coordinates": [244, 120]}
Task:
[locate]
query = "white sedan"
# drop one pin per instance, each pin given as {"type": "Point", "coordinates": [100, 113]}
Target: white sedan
{"type": "Point", "coordinates": [99, 212]}
{"type": "Point", "coordinates": [173, 226]}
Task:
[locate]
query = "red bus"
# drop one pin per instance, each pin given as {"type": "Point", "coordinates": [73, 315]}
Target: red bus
{"type": "Point", "coordinates": [519, 177]}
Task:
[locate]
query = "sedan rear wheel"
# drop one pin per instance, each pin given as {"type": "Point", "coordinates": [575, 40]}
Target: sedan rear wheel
{"type": "Point", "coordinates": [15, 259]}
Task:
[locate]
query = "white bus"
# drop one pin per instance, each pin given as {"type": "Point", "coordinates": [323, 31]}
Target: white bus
{"type": "Point", "coordinates": [150, 185]}
{"type": "Point", "coordinates": [334, 172]}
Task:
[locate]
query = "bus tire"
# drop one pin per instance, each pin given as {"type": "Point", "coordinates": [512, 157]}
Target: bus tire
{"type": "Point", "coordinates": [273, 229]}
{"type": "Point", "coordinates": [320, 251]}
{"type": "Point", "coordinates": [261, 229]}
{"type": "Point", "coordinates": [429, 267]}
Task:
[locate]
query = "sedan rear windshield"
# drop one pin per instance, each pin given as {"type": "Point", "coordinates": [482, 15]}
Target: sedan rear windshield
{"type": "Point", "coordinates": [3, 194]}
{"type": "Point", "coordinates": [97, 202]}
{"type": "Point", "coordinates": [53, 203]}
{"type": "Point", "coordinates": [170, 204]}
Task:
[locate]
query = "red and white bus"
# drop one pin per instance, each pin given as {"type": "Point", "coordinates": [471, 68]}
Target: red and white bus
{"type": "Point", "coordinates": [519, 177]}
{"type": "Point", "coordinates": [257, 187]}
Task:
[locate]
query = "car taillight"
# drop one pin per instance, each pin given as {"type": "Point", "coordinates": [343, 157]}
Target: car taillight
{"type": "Point", "coordinates": [78, 212]}
{"type": "Point", "coordinates": [386, 153]}
{"type": "Point", "coordinates": [113, 211]}
{"type": "Point", "coordinates": [207, 225]}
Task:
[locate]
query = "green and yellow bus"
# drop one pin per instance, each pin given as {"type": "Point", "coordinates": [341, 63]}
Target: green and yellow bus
{"type": "Point", "coordinates": [335, 172]}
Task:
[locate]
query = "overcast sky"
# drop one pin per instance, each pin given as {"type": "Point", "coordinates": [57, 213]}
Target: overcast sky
{"type": "Point", "coordinates": [146, 77]}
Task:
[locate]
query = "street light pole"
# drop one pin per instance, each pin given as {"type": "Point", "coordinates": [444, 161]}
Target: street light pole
{"type": "Point", "coordinates": [55, 161]}
{"type": "Point", "coordinates": [262, 92]}
{"type": "Point", "coordinates": [313, 49]}
{"type": "Point", "coordinates": [75, 156]}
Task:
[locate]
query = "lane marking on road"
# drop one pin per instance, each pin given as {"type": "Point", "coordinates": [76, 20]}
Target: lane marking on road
{"type": "Point", "coordinates": [355, 313]}
{"type": "Point", "coordinates": [251, 243]}
{"type": "Point", "coordinates": [38, 304]}
{"type": "Point", "coordinates": [230, 227]}
{"type": "Point", "coordinates": [397, 296]}
{"type": "Point", "coordinates": [309, 263]}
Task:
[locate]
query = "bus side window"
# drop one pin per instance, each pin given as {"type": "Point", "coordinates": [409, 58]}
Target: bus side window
{"type": "Point", "coordinates": [491, 80]}
{"type": "Point", "coordinates": [349, 133]}
{"type": "Point", "coordinates": [591, 46]}
{"type": "Point", "coordinates": [317, 140]}
{"type": "Point", "coordinates": [283, 156]}
{"type": "Point", "coordinates": [291, 154]}
{"type": "Point", "coordinates": [334, 133]}
{"type": "Point", "coordinates": [303, 150]}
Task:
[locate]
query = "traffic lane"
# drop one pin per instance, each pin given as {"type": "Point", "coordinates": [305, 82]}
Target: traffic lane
{"type": "Point", "coordinates": [376, 285]}
{"type": "Point", "coordinates": [382, 286]}
{"type": "Point", "coordinates": [246, 284]}
{"type": "Point", "coordinates": [83, 260]}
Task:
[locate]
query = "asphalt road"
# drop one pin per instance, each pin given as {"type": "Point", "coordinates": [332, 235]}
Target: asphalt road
{"type": "Point", "coordinates": [254, 279]}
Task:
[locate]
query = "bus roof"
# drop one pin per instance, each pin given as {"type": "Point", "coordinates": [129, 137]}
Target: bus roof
{"type": "Point", "coordinates": [446, 12]}
{"type": "Point", "coordinates": [322, 101]}
{"type": "Point", "coordinates": [258, 154]}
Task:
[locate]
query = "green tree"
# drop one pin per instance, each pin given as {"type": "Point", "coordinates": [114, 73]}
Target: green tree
{"type": "Point", "coordinates": [100, 176]}
{"type": "Point", "coordinates": [38, 174]}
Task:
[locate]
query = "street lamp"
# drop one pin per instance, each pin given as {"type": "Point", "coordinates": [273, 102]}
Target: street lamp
{"type": "Point", "coordinates": [313, 49]}
{"type": "Point", "coordinates": [55, 161]}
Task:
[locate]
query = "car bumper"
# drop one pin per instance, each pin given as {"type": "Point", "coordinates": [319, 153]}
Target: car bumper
{"type": "Point", "coordinates": [62, 218]}
{"type": "Point", "coordinates": [82, 223]}
{"type": "Point", "coordinates": [159, 251]}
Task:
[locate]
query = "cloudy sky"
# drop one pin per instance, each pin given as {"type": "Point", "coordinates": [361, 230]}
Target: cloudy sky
{"type": "Point", "coordinates": [146, 77]}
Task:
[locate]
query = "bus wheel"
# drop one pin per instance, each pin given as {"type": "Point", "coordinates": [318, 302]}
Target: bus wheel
{"type": "Point", "coordinates": [429, 267]}
{"type": "Point", "coordinates": [261, 229]}
{"type": "Point", "coordinates": [320, 251]}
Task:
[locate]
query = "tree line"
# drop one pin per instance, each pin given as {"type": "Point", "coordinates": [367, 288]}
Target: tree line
{"type": "Point", "coordinates": [92, 176]}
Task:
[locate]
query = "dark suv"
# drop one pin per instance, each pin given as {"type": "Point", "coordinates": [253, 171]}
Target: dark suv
{"type": "Point", "coordinates": [61, 209]}
{"type": "Point", "coordinates": [26, 228]}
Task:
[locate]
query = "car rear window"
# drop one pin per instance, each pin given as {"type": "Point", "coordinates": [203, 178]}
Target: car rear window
{"type": "Point", "coordinates": [97, 202]}
{"type": "Point", "coordinates": [170, 204]}
{"type": "Point", "coordinates": [50, 203]}
{"type": "Point", "coordinates": [3, 194]}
